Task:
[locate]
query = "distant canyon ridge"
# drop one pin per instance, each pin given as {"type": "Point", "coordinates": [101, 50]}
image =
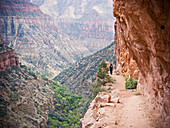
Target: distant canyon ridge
{"type": "Point", "coordinates": [50, 35]}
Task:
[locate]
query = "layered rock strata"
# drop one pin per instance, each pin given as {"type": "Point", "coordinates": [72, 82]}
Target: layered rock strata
{"type": "Point", "coordinates": [143, 35]}
{"type": "Point", "coordinates": [8, 57]}
{"type": "Point", "coordinates": [88, 28]}
{"type": "Point", "coordinates": [35, 37]}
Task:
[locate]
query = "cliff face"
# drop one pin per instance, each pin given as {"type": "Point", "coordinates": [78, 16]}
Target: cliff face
{"type": "Point", "coordinates": [22, 6]}
{"type": "Point", "coordinates": [8, 58]}
{"type": "Point", "coordinates": [125, 63]}
{"type": "Point", "coordinates": [143, 35]}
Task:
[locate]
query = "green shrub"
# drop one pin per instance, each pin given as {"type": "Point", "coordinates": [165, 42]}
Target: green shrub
{"type": "Point", "coordinates": [130, 83]}
{"type": "Point", "coordinates": [45, 78]}
{"type": "Point", "coordinates": [33, 74]}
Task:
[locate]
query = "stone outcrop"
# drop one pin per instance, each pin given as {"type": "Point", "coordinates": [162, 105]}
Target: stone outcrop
{"type": "Point", "coordinates": [8, 57]}
{"type": "Point", "coordinates": [99, 110]}
{"type": "Point", "coordinates": [143, 35]}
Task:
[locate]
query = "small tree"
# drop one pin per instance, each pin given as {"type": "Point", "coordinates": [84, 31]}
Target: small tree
{"type": "Point", "coordinates": [103, 70]}
{"type": "Point", "coordinates": [102, 73]}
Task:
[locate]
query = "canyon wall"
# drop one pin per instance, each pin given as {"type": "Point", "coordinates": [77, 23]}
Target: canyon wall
{"type": "Point", "coordinates": [49, 43]}
{"type": "Point", "coordinates": [88, 28]}
{"type": "Point", "coordinates": [35, 37]}
{"type": "Point", "coordinates": [26, 99]}
{"type": "Point", "coordinates": [143, 35]}
{"type": "Point", "coordinates": [125, 63]}
{"type": "Point", "coordinates": [81, 19]}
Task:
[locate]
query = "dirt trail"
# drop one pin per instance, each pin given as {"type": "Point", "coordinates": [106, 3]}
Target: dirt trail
{"type": "Point", "coordinates": [133, 111]}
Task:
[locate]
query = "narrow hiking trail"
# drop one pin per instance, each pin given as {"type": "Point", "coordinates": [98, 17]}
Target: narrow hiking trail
{"type": "Point", "coordinates": [120, 108]}
{"type": "Point", "coordinates": [133, 110]}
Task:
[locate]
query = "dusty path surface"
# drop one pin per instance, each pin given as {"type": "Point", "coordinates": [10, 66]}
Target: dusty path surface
{"type": "Point", "coordinates": [133, 110]}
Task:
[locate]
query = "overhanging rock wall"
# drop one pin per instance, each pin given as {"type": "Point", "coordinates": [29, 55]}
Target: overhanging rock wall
{"type": "Point", "coordinates": [143, 35]}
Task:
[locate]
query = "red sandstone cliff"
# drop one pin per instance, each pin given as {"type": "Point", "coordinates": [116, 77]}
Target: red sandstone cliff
{"type": "Point", "coordinates": [8, 57]}
{"type": "Point", "coordinates": [125, 62]}
{"type": "Point", "coordinates": [143, 36]}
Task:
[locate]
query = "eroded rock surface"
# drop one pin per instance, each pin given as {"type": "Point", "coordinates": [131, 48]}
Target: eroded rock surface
{"type": "Point", "coordinates": [8, 57]}
{"type": "Point", "coordinates": [100, 111]}
{"type": "Point", "coordinates": [143, 35]}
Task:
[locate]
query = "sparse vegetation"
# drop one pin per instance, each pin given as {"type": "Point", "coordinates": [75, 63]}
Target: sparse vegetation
{"type": "Point", "coordinates": [19, 85]}
{"type": "Point", "coordinates": [117, 73]}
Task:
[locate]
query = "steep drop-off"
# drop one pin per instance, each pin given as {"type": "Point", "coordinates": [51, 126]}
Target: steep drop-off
{"type": "Point", "coordinates": [80, 77]}
{"type": "Point", "coordinates": [25, 99]}
{"type": "Point", "coordinates": [143, 35]}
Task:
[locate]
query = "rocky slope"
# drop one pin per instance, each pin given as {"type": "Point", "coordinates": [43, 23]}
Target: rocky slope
{"type": "Point", "coordinates": [80, 76]}
{"type": "Point", "coordinates": [143, 33]}
{"type": "Point", "coordinates": [26, 99]}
